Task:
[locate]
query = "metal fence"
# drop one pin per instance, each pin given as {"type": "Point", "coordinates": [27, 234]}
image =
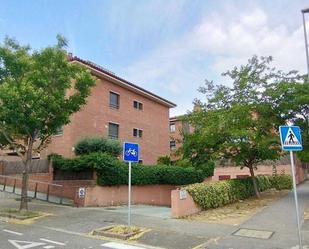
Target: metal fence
{"type": "Point", "coordinates": [44, 191]}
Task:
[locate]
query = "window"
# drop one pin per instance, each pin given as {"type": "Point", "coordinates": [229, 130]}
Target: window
{"type": "Point", "coordinates": [113, 130]}
{"type": "Point", "coordinates": [137, 105]}
{"type": "Point", "coordinates": [140, 161]}
{"type": "Point", "coordinates": [59, 131]}
{"type": "Point", "coordinates": [114, 100]}
{"type": "Point", "coordinates": [173, 145]}
{"type": "Point", "coordinates": [137, 132]}
{"type": "Point", "coordinates": [185, 127]}
{"type": "Point", "coordinates": [172, 127]}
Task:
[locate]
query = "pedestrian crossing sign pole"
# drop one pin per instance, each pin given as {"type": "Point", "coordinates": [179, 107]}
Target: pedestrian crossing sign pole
{"type": "Point", "coordinates": [290, 137]}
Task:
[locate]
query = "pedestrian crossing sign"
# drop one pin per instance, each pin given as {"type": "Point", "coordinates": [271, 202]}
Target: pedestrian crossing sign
{"type": "Point", "coordinates": [290, 137]}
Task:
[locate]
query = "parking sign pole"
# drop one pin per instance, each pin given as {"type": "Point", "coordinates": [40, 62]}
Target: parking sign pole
{"type": "Point", "coordinates": [129, 196]}
{"type": "Point", "coordinates": [296, 200]}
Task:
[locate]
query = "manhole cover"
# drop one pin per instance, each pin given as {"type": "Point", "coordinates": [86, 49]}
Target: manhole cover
{"type": "Point", "coordinates": [252, 233]}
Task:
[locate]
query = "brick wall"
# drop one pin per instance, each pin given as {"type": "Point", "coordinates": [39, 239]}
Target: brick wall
{"type": "Point", "coordinates": [223, 173]}
{"type": "Point", "coordinates": [118, 195]}
{"type": "Point", "coordinates": [94, 117]}
{"type": "Point", "coordinates": [183, 207]}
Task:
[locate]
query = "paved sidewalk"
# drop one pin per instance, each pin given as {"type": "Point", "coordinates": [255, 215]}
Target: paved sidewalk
{"type": "Point", "coordinates": [279, 218]}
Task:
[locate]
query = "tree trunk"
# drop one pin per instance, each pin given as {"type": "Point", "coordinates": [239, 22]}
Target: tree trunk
{"type": "Point", "coordinates": [25, 178]}
{"type": "Point", "coordinates": [255, 185]}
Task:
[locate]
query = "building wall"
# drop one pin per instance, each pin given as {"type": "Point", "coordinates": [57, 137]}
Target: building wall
{"type": "Point", "coordinates": [177, 136]}
{"type": "Point", "coordinates": [159, 195]}
{"type": "Point", "coordinates": [94, 117]}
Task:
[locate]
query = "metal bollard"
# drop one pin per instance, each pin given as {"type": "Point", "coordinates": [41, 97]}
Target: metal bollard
{"type": "Point", "coordinates": [35, 190]}
{"type": "Point", "coordinates": [61, 197]}
{"type": "Point", "coordinates": [47, 196]}
{"type": "Point", "coordinates": [14, 186]}
{"type": "Point", "coordinates": [4, 184]}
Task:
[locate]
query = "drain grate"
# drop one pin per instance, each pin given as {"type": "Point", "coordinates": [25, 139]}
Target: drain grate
{"type": "Point", "coordinates": [252, 233]}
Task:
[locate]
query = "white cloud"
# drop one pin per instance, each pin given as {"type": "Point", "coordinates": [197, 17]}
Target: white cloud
{"type": "Point", "coordinates": [216, 44]}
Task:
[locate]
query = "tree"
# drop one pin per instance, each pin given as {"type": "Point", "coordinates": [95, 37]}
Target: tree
{"type": "Point", "coordinates": [293, 100]}
{"type": "Point", "coordinates": [240, 123]}
{"type": "Point", "coordinates": [39, 91]}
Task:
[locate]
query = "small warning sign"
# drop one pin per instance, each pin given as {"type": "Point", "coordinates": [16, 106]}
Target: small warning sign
{"type": "Point", "coordinates": [290, 137]}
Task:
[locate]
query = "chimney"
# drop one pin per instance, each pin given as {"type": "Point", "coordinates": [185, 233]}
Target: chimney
{"type": "Point", "coordinates": [70, 56]}
{"type": "Point", "coordinates": [197, 107]}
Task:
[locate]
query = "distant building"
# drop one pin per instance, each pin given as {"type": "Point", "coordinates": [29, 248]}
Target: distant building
{"type": "Point", "coordinates": [117, 109]}
{"type": "Point", "coordinates": [178, 128]}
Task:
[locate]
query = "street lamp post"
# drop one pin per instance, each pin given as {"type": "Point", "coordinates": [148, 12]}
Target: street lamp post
{"type": "Point", "coordinates": [304, 11]}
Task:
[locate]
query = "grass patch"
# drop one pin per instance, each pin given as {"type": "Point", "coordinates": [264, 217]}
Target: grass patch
{"type": "Point", "coordinates": [120, 232]}
{"type": "Point", "coordinates": [17, 214]}
{"type": "Point", "coordinates": [122, 229]}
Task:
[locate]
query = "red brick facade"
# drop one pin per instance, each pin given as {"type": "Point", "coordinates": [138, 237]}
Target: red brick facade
{"type": "Point", "coordinates": [95, 116]}
{"type": "Point", "coordinates": [177, 128]}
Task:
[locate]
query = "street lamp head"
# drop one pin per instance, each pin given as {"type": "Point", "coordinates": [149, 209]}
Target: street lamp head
{"type": "Point", "coordinates": [305, 10]}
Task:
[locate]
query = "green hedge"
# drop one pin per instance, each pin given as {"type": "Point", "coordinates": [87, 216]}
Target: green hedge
{"type": "Point", "coordinates": [281, 182]}
{"type": "Point", "coordinates": [213, 195]}
{"type": "Point", "coordinates": [111, 171]}
{"type": "Point", "coordinates": [98, 144]}
{"type": "Point", "coordinates": [75, 164]}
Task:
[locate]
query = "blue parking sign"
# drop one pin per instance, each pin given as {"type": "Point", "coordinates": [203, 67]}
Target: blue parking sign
{"type": "Point", "coordinates": [290, 137]}
{"type": "Point", "coordinates": [130, 152]}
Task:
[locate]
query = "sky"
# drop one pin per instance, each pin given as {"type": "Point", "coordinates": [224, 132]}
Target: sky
{"type": "Point", "coordinates": [166, 46]}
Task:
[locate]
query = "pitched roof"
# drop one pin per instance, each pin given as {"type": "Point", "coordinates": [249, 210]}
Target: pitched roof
{"type": "Point", "coordinates": [129, 85]}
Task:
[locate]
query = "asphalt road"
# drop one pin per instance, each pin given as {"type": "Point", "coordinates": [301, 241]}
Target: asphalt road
{"type": "Point", "coordinates": [38, 237]}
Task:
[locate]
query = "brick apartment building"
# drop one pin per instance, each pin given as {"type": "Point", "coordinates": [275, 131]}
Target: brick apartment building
{"type": "Point", "coordinates": [120, 110]}
{"type": "Point", "coordinates": [178, 127]}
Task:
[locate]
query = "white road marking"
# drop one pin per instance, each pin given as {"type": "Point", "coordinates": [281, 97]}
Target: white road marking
{"type": "Point", "coordinates": [25, 244]}
{"type": "Point", "coordinates": [53, 242]}
{"type": "Point", "coordinates": [115, 245]}
{"type": "Point", "coordinates": [12, 232]}
{"type": "Point", "coordinates": [49, 247]}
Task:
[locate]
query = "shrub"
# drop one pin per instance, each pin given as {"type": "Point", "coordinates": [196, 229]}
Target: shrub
{"type": "Point", "coordinates": [75, 164]}
{"type": "Point", "coordinates": [116, 173]}
{"type": "Point", "coordinates": [281, 182]}
{"type": "Point", "coordinates": [264, 183]}
{"type": "Point", "coordinates": [213, 195]}
{"type": "Point", "coordinates": [98, 144]}
{"type": "Point", "coordinates": [111, 171]}
{"type": "Point", "coordinates": [207, 167]}
{"type": "Point", "coordinates": [165, 160]}
{"type": "Point", "coordinates": [185, 163]}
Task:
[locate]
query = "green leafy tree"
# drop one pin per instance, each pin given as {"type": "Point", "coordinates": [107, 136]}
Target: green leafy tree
{"type": "Point", "coordinates": [293, 100]}
{"type": "Point", "coordinates": [239, 123]}
{"type": "Point", "coordinates": [39, 91]}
